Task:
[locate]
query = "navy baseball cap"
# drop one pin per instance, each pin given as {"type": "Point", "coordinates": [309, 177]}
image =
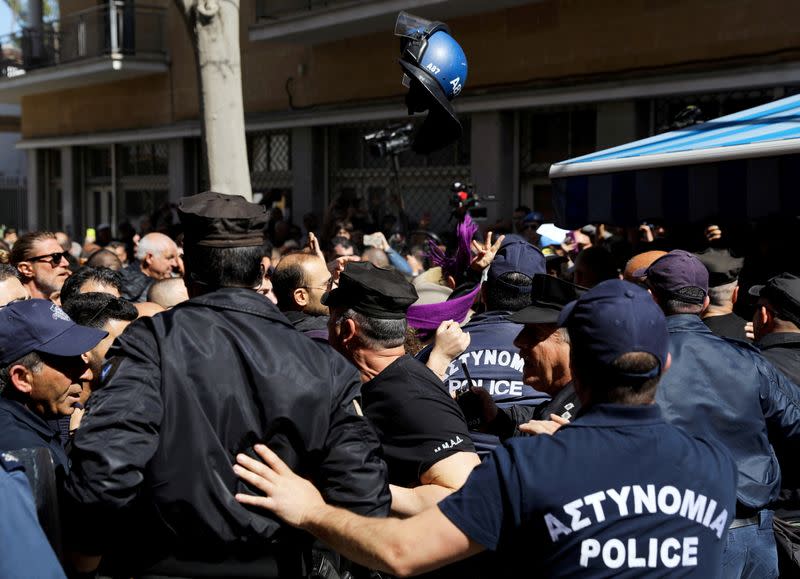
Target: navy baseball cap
{"type": "Point", "coordinates": [517, 256]}
{"type": "Point", "coordinates": [678, 274]}
{"type": "Point", "coordinates": [614, 318]}
{"type": "Point", "coordinates": [41, 326]}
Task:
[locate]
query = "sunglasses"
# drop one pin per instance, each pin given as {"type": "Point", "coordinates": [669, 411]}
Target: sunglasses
{"type": "Point", "coordinates": [55, 258]}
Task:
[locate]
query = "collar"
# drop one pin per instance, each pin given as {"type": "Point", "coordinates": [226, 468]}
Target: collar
{"type": "Point", "coordinates": [620, 415]}
{"type": "Point", "coordinates": [686, 323]}
{"type": "Point", "coordinates": [29, 418]}
{"type": "Point", "coordinates": [238, 299]}
{"type": "Point", "coordinates": [779, 339]}
{"type": "Point", "coordinates": [493, 317]}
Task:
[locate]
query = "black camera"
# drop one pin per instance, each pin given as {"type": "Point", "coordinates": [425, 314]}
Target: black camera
{"type": "Point", "coordinates": [392, 140]}
{"type": "Point", "coordinates": [463, 195]}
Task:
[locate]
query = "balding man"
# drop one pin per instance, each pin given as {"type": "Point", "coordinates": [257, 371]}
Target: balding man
{"type": "Point", "coordinates": [104, 258]}
{"type": "Point", "coordinates": [168, 293]}
{"type": "Point", "coordinates": [158, 259]}
{"type": "Point", "coordinates": [299, 281]}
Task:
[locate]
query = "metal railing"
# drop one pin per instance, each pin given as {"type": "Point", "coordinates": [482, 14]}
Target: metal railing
{"type": "Point", "coordinates": [115, 30]}
{"type": "Point", "coordinates": [277, 9]}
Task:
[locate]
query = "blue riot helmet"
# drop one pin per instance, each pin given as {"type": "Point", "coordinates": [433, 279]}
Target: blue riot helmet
{"type": "Point", "coordinates": [435, 70]}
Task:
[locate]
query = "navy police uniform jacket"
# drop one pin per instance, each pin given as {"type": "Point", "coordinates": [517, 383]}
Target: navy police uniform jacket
{"type": "Point", "coordinates": [22, 428]}
{"type": "Point", "coordinates": [193, 387]}
{"type": "Point", "coordinates": [24, 550]}
{"type": "Point", "coordinates": [494, 364]}
{"type": "Point", "coordinates": [726, 389]}
{"type": "Point", "coordinates": [658, 502]}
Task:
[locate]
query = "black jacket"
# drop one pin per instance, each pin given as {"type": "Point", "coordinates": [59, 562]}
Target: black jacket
{"type": "Point", "coordinates": [783, 350]}
{"type": "Point", "coordinates": [135, 284]}
{"type": "Point", "coordinates": [188, 390]}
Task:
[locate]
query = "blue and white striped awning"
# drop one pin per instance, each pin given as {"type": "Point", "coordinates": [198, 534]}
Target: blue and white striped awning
{"type": "Point", "coordinates": [741, 166]}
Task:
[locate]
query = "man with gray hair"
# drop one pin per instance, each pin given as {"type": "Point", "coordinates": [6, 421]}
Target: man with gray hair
{"type": "Point", "coordinates": [157, 257]}
{"type": "Point", "coordinates": [723, 289]}
{"type": "Point", "coordinates": [423, 432]}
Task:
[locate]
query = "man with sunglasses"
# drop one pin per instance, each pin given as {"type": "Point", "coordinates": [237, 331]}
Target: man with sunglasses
{"type": "Point", "coordinates": [42, 263]}
{"type": "Point", "coordinates": [42, 365]}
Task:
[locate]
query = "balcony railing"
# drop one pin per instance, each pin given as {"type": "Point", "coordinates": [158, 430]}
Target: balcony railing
{"type": "Point", "coordinates": [116, 30]}
{"type": "Point", "coordinates": [275, 9]}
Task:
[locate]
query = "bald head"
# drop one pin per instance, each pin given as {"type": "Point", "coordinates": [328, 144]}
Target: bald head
{"type": "Point", "coordinates": [168, 293]}
{"type": "Point", "coordinates": [148, 309]}
{"type": "Point", "coordinates": [104, 258]}
{"type": "Point", "coordinates": [158, 255]}
{"type": "Point", "coordinates": [640, 261]}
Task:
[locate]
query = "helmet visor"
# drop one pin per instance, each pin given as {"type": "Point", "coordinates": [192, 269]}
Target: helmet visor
{"type": "Point", "coordinates": [411, 26]}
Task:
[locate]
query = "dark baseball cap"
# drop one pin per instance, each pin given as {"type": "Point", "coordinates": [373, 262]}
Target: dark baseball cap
{"type": "Point", "coordinates": [678, 274]}
{"type": "Point", "coordinates": [783, 294]}
{"type": "Point", "coordinates": [723, 268]}
{"type": "Point", "coordinates": [533, 217]}
{"type": "Point", "coordinates": [41, 326]}
{"type": "Point", "coordinates": [517, 256]}
{"type": "Point", "coordinates": [614, 318]}
{"type": "Point", "coordinates": [213, 219]}
{"type": "Point", "coordinates": [372, 291]}
{"type": "Point", "coordinates": [549, 295]}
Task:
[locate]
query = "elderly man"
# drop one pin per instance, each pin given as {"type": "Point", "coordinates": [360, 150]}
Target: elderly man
{"type": "Point", "coordinates": [723, 290]}
{"type": "Point", "coordinates": [42, 263]}
{"type": "Point", "coordinates": [43, 363]}
{"type": "Point", "coordinates": [727, 390]}
{"type": "Point", "coordinates": [617, 492]}
{"type": "Point", "coordinates": [544, 348]}
{"type": "Point", "coordinates": [299, 282]}
{"type": "Point", "coordinates": [11, 289]}
{"type": "Point", "coordinates": [423, 433]}
{"type": "Point", "coordinates": [189, 388]}
{"type": "Point", "coordinates": [157, 257]}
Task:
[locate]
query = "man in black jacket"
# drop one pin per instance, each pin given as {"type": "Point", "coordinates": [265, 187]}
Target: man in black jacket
{"type": "Point", "coordinates": [192, 387]}
{"type": "Point", "coordinates": [299, 282]}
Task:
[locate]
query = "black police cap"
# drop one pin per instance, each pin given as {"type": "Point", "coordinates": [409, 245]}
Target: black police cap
{"type": "Point", "coordinates": [549, 295]}
{"type": "Point", "coordinates": [218, 220]}
{"type": "Point", "coordinates": [372, 291]}
{"type": "Point", "coordinates": [783, 294]}
{"type": "Point", "coordinates": [723, 268]}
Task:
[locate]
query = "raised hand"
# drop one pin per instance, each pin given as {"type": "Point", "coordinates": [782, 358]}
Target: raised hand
{"type": "Point", "coordinates": [485, 252]}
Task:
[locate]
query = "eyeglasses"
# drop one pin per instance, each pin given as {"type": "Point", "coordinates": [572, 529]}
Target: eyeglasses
{"type": "Point", "coordinates": [322, 287]}
{"type": "Point", "coordinates": [54, 257]}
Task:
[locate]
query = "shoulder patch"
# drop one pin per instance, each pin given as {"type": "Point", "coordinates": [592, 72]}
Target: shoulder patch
{"type": "Point", "coordinates": [109, 369]}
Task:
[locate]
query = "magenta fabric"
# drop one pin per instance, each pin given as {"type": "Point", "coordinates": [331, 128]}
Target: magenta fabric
{"type": "Point", "coordinates": [429, 316]}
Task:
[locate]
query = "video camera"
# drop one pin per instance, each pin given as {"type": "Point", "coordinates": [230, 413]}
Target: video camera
{"type": "Point", "coordinates": [463, 195]}
{"type": "Point", "coordinates": [392, 140]}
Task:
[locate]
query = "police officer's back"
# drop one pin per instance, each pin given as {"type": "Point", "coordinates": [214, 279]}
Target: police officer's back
{"type": "Point", "coordinates": [191, 388]}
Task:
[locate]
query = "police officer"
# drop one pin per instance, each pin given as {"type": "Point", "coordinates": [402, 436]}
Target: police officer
{"type": "Point", "coordinates": [24, 550]}
{"type": "Point", "coordinates": [544, 348]}
{"type": "Point", "coordinates": [424, 437]}
{"type": "Point", "coordinates": [727, 390]}
{"type": "Point", "coordinates": [188, 389]}
{"type": "Point", "coordinates": [617, 491]}
{"type": "Point", "coordinates": [492, 359]}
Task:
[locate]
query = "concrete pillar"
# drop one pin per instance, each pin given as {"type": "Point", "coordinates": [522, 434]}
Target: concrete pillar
{"type": "Point", "coordinates": [307, 194]}
{"type": "Point", "coordinates": [616, 123]}
{"type": "Point", "coordinates": [177, 171]}
{"type": "Point", "coordinates": [493, 163]}
{"type": "Point", "coordinates": [69, 203]}
{"type": "Point", "coordinates": [34, 187]}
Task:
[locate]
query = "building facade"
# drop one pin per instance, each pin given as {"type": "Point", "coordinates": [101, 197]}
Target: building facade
{"type": "Point", "coordinates": [110, 111]}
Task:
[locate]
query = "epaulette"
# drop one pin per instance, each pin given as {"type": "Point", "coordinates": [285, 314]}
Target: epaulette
{"type": "Point", "coordinates": [10, 462]}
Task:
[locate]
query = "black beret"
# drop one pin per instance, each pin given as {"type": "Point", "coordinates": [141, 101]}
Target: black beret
{"type": "Point", "coordinates": [217, 220]}
{"type": "Point", "coordinates": [549, 295]}
{"type": "Point", "coordinates": [372, 291]}
{"type": "Point", "coordinates": [722, 267]}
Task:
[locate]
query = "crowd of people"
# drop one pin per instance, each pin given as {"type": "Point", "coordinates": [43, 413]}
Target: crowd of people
{"type": "Point", "coordinates": [230, 395]}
